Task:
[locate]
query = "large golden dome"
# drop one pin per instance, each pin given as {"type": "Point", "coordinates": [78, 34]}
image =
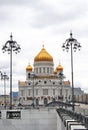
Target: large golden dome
{"type": "Point", "coordinates": [43, 55]}
{"type": "Point", "coordinates": [29, 68]}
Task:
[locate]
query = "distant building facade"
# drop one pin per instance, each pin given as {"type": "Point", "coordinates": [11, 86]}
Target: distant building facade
{"type": "Point", "coordinates": [4, 99]}
{"type": "Point", "coordinates": [78, 91]}
{"type": "Point", "coordinates": [82, 98]}
{"type": "Point", "coordinates": [15, 98]}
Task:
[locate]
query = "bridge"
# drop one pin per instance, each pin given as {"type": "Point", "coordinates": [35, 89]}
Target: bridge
{"type": "Point", "coordinates": [71, 120]}
{"type": "Point", "coordinates": [55, 115]}
{"type": "Point", "coordinates": [58, 103]}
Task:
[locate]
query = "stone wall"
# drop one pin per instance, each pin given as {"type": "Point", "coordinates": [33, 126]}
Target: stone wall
{"type": "Point", "coordinates": [41, 119]}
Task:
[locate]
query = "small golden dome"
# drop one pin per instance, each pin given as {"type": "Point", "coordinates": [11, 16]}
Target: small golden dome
{"type": "Point", "coordinates": [55, 71]}
{"type": "Point", "coordinates": [59, 67]}
{"type": "Point", "coordinates": [43, 55]}
{"type": "Point", "coordinates": [29, 68]}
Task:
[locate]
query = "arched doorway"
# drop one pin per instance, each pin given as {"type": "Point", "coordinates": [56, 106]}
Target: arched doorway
{"type": "Point", "coordinates": [37, 102]}
{"type": "Point", "coordinates": [45, 101]}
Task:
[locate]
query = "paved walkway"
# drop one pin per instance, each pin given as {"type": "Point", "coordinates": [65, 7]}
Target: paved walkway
{"type": "Point", "coordinates": [82, 108]}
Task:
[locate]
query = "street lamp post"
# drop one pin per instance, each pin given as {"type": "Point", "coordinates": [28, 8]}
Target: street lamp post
{"type": "Point", "coordinates": [11, 46]}
{"type": "Point", "coordinates": [61, 77]}
{"type": "Point", "coordinates": [4, 77]}
{"type": "Point", "coordinates": [74, 44]}
{"type": "Point", "coordinates": [33, 90]}
{"type": "Point", "coordinates": [32, 75]}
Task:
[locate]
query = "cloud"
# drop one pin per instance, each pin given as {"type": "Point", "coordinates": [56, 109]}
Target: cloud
{"type": "Point", "coordinates": [32, 22]}
{"type": "Point", "coordinates": [17, 2]}
{"type": "Point", "coordinates": [40, 14]}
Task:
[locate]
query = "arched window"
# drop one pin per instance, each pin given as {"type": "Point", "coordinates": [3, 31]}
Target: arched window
{"type": "Point", "coordinates": [47, 70]}
{"type": "Point", "coordinates": [36, 70]}
{"type": "Point", "coordinates": [43, 70]}
{"type": "Point", "coordinates": [45, 91]}
{"type": "Point", "coordinates": [39, 70]}
{"type": "Point", "coordinates": [29, 75]}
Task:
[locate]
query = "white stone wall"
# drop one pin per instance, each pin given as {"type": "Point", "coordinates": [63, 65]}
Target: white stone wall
{"type": "Point", "coordinates": [60, 125]}
{"type": "Point", "coordinates": [31, 120]}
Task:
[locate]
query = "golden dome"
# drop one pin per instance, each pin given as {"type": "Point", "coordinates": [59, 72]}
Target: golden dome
{"type": "Point", "coordinates": [43, 55]}
{"type": "Point", "coordinates": [29, 68]}
{"type": "Point", "coordinates": [55, 71]}
{"type": "Point", "coordinates": [59, 67]}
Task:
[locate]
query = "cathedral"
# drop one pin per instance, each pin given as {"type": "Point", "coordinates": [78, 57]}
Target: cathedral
{"type": "Point", "coordinates": [43, 84]}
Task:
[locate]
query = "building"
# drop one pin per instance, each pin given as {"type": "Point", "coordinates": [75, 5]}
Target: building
{"type": "Point", "coordinates": [4, 99]}
{"type": "Point", "coordinates": [82, 98]}
{"type": "Point", "coordinates": [15, 98]}
{"type": "Point", "coordinates": [78, 91]}
{"type": "Point", "coordinates": [43, 84]}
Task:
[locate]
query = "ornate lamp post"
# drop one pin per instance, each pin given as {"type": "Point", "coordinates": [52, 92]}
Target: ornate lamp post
{"type": "Point", "coordinates": [61, 77]}
{"type": "Point", "coordinates": [32, 75]}
{"type": "Point", "coordinates": [11, 46]}
{"type": "Point", "coordinates": [4, 77]}
{"type": "Point", "coordinates": [74, 44]}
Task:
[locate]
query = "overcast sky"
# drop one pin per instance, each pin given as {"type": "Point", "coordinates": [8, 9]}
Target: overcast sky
{"type": "Point", "coordinates": [37, 22]}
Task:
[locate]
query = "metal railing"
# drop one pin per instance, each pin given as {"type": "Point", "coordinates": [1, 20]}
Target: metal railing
{"type": "Point", "coordinates": [73, 115]}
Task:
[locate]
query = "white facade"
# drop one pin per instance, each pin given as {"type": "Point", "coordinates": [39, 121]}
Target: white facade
{"type": "Point", "coordinates": [42, 84]}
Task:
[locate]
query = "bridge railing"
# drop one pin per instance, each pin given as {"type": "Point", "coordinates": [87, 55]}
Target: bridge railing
{"type": "Point", "coordinates": [69, 115]}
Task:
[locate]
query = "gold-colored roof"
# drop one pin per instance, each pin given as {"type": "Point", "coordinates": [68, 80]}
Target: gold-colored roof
{"type": "Point", "coordinates": [55, 71]}
{"type": "Point", "coordinates": [67, 82]}
{"type": "Point", "coordinates": [59, 67]}
{"type": "Point", "coordinates": [29, 68]}
{"type": "Point", "coordinates": [43, 55]}
{"type": "Point", "coordinates": [22, 83]}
